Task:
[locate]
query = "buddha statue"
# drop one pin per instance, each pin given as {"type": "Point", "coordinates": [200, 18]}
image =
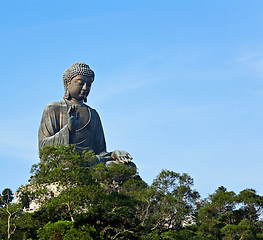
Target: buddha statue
{"type": "Point", "coordinates": [71, 121]}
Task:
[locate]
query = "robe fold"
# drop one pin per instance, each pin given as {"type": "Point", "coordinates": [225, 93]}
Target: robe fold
{"type": "Point", "coordinates": [54, 129]}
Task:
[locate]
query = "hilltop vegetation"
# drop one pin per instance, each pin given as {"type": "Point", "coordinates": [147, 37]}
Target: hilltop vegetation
{"type": "Point", "coordinates": [99, 202]}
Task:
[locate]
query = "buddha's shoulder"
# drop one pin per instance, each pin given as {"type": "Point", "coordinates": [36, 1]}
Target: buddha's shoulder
{"type": "Point", "coordinates": [94, 113]}
{"type": "Point", "coordinates": [56, 105]}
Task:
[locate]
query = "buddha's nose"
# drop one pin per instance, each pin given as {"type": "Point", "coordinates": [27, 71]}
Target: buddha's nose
{"type": "Point", "coordinates": [84, 86]}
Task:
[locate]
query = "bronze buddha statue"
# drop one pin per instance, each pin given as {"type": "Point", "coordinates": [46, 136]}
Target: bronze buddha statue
{"type": "Point", "coordinates": [71, 121]}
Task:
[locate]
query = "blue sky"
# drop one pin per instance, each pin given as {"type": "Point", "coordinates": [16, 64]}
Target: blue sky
{"type": "Point", "coordinates": [179, 84]}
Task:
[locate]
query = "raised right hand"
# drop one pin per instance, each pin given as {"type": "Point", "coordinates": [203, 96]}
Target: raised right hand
{"type": "Point", "coordinates": [73, 118]}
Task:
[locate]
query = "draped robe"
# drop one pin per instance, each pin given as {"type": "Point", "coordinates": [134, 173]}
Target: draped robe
{"type": "Point", "coordinates": [54, 129]}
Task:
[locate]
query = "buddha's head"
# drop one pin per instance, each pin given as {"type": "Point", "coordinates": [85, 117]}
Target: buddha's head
{"type": "Point", "coordinates": [74, 77]}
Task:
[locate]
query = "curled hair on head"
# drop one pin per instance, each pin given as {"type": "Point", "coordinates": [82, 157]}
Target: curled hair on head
{"type": "Point", "coordinates": [74, 70]}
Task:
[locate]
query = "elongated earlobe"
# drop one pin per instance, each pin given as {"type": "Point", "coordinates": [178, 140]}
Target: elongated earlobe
{"type": "Point", "coordinates": [67, 93]}
{"type": "Point", "coordinates": [85, 99]}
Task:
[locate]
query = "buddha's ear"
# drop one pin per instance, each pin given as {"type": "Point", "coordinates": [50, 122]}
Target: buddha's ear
{"type": "Point", "coordinates": [85, 99]}
{"type": "Point", "coordinates": [67, 96]}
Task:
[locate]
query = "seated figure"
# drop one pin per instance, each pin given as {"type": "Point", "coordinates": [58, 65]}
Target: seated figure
{"type": "Point", "coordinates": [71, 121]}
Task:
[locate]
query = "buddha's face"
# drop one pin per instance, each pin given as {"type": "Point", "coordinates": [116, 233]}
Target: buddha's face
{"type": "Point", "coordinates": [79, 87]}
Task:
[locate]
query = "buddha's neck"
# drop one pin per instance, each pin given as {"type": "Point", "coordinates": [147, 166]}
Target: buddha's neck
{"type": "Point", "coordinates": [75, 101]}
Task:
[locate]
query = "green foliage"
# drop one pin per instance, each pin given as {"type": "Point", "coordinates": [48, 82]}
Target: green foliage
{"type": "Point", "coordinates": [65, 230]}
{"type": "Point", "coordinates": [6, 197]}
{"type": "Point", "coordinates": [62, 164]}
{"type": "Point", "coordinates": [55, 230]}
{"type": "Point", "coordinates": [88, 194]}
{"type": "Point", "coordinates": [252, 204]}
{"type": "Point", "coordinates": [26, 226]}
{"type": "Point", "coordinates": [244, 230]}
{"type": "Point", "coordinates": [92, 201]}
{"type": "Point", "coordinates": [216, 212]}
{"type": "Point", "coordinates": [112, 177]}
{"type": "Point", "coordinates": [171, 200]}
{"type": "Point", "coordinates": [3, 223]}
{"type": "Point", "coordinates": [226, 215]}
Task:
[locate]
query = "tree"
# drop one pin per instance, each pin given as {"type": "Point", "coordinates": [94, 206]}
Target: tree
{"type": "Point", "coordinates": [7, 196]}
{"type": "Point", "coordinates": [244, 230]}
{"type": "Point", "coordinates": [67, 168]}
{"type": "Point", "coordinates": [226, 215]}
{"type": "Point", "coordinates": [169, 201]}
{"type": "Point", "coordinates": [64, 230]}
{"type": "Point", "coordinates": [87, 194]}
{"type": "Point", "coordinates": [216, 211]}
{"type": "Point", "coordinates": [5, 199]}
{"type": "Point", "coordinates": [98, 202]}
{"type": "Point", "coordinates": [251, 204]}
